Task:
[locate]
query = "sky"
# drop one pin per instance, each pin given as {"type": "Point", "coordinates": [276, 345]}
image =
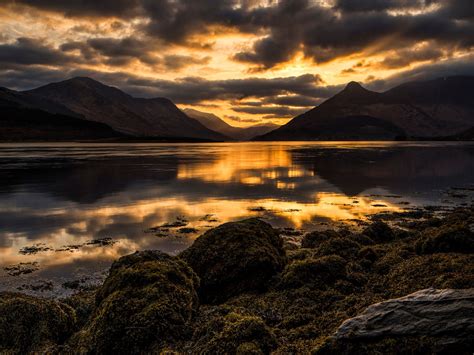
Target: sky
{"type": "Point", "coordinates": [247, 61]}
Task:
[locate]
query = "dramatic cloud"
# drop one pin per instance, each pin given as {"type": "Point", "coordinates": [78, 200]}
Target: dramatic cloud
{"type": "Point", "coordinates": [207, 52]}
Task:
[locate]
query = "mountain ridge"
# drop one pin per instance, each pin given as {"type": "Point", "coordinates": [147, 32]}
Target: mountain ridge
{"type": "Point", "coordinates": [434, 108]}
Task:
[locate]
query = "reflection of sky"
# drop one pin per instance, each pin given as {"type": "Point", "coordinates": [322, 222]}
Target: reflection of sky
{"type": "Point", "coordinates": [68, 194]}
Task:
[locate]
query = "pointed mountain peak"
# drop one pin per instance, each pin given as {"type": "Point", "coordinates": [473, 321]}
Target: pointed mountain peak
{"type": "Point", "coordinates": [354, 86]}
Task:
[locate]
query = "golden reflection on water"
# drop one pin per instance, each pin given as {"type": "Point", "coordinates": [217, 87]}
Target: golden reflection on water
{"type": "Point", "coordinates": [228, 182]}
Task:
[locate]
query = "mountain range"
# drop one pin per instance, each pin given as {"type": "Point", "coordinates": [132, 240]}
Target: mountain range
{"type": "Point", "coordinates": [95, 103]}
{"type": "Point", "coordinates": [82, 108]}
{"type": "Point", "coordinates": [215, 123]}
{"type": "Point", "coordinates": [416, 110]}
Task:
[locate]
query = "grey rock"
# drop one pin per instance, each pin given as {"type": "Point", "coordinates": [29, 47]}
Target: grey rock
{"type": "Point", "coordinates": [430, 312]}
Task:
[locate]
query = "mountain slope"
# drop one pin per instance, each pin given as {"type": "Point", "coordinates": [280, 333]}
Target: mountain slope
{"type": "Point", "coordinates": [28, 119]}
{"type": "Point", "coordinates": [435, 108]}
{"type": "Point", "coordinates": [215, 123]}
{"type": "Point", "coordinates": [139, 117]}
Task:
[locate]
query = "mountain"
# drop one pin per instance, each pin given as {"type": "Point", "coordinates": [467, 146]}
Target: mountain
{"type": "Point", "coordinates": [139, 117]}
{"type": "Point", "coordinates": [26, 118]}
{"type": "Point", "coordinates": [215, 123]}
{"type": "Point", "coordinates": [425, 109]}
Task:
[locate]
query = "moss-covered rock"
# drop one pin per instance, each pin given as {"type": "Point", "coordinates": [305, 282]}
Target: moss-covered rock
{"type": "Point", "coordinates": [379, 232]}
{"type": "Point", "coordinates": [144, 305]}
{"type": "Point", "coordinates": [235, 258]}
{"type": "Point", "coordinates": [29, 324]}
{"type": "Point", "coordinates": [317, 272]}
{"type": "Point", "coordinates": [455, 237]}
{"type": "Point", "coordinates": [342, 247]}
{"type": "Point", "coordinates": [234, 333]}
{"type": "Point", "coordinates": [314, 239]}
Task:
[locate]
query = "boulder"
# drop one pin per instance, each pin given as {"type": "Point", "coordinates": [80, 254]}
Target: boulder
{"type": "Point", "coordinates": [145, 304]}
{"type": "Point", "coordinates": [455, 237]}
{"type": "Point", "coordinates": [30, 324]}
{"type": "Point", "coordinates": [314, 272]}
{"type": "Point", "coordinates": [379, 232]}
{"type": "Point", "coordinates": [432, 319]}
{"type": "Point", "coordinates": [314, 239]}
{"type": "Point", "coordinates": [234, 333]}
{"type": "Point", "coordinates": [234, 258]}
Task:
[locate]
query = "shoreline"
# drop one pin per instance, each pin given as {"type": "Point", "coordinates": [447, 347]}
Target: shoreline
{"type": "Point", "coordinates": [294, 297]}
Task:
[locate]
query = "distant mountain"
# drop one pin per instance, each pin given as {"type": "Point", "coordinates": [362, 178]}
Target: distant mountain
{"type": "Point", "coordinates": [25, 118]}
{"type": "Point", "coordinates": [426, 109]}
{"type": "Point", "coordinates": [215, 123]}
{"type": "Point", "coordinates": [138, 117]}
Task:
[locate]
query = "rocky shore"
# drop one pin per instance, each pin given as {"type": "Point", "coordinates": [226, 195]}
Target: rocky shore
{"type": "Point", "coordinates": [242, 289]}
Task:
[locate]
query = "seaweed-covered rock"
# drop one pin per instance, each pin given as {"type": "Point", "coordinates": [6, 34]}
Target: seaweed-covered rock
{"type": "Point", "coordinates": [342, 247]}
{"type": "Point", "coordinates": [234, 258]}
{"type": "Point", "coordinates": [426, 321]}
{"type": "Point", "coordinates": [437, 271]}
{"type": "Point", "coordinates": [314, 239]}
{"type": "Point", "coordinates": [144, 305]}
{"type": "Point", "coordinates": [315, 272]}
{"type": "Point", "coordinates": [451, 237]}
{"type": "Point", "coordinates": [379, 232]}
{"type": "Point", "coordinates": [234, 333]}
{"type": "Point", "coordinates": [30, 324]}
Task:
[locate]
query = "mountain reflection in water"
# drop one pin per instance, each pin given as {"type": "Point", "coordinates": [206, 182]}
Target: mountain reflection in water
{"type": "Point", "coordinates": [58, 195]}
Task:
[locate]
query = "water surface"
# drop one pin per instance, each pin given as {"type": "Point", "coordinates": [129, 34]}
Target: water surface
{"type": "Point", "coordinates": [68, 210]}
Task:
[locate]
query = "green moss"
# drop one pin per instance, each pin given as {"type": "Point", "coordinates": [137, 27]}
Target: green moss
{"type": "Point", "coordinates": [235, 258]}
{"type": "Point", "coordinates": [342, 247]}
{"type": "Point", "coordinates": [145, 304]}
{"type": "Point", "coordinates": [457, 238]}
{"type": "Point", "coordinates": [29, 324]}
{"type": "Point", "coordinates": [235, 333]}
{"type": "Point", "coordinates": [317, 272]}
{"type": "Point", "coordinates": [314, 239]}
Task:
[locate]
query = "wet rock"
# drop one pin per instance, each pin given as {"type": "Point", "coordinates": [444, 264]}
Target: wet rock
{"type": "Point", "coordinates": [29, 324]}
{"type": "Point", "coordinates": [455, 237]}
{"type": "Point", "coordinates": [431, 319]}
{"type": "Point", "coordinates": [314, 239]}
{"type": "Point", "coordinates": [315, 272]}
{"type": "Point", "coordinates": [235, 258]}
{"type": "Point", "coordinates": [234, 334]}
{"type": "Point", "coordinates": [342, 247]}
{"type": "Point", "coordinates": [144, 304]}
{"type": "Point", "coordinates": [379, 232]}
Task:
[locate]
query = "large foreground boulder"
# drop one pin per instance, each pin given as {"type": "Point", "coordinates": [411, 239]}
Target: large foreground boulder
{"type": "Point", "coordinates": [426, 321]}
{"type": "Point", "coordinates": [234, 258]}
{"type": "Point", "coordinates": [144, 305]}
{"type": "Point", "coordinates": [29, 324]}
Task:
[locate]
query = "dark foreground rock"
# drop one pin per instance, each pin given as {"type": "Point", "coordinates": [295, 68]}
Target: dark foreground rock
{"type": "Point", "coordinates": [29, 324]}
{"type": "Point", "coordinates": [256, 299]}
{"type": "Point", "coordinates": [235, 258]}
{"type": "Point", "coordinates": [145, 304]}
{"type": "Point", "coordinates": [440, 320]}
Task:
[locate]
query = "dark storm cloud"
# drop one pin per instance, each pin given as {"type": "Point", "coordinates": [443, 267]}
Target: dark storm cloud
{"type": "Point", "coordinates": [322, 33]}
{"type": "Point", "coordinates": [101, 8]}
{"type": "Point", "coordinates": [176, 62]}
{"type": "Point", "coordinates": [27, 51]}
{"type": "Point", "coordinates": [187, 90]}
{"type": "Point", "coordinates": [459, 66]}
{"type": "Point", "coordinates": [296, 101]}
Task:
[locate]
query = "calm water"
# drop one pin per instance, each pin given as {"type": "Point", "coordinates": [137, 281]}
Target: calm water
{"type": "Point", "coordinates": [59, 201]}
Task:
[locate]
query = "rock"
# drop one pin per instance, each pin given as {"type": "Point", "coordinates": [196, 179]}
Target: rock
{"type": "Point", "coordinates": [315, 272]}
{"type": "Point", "coordinates": [314, 239]}
{"type": "Point", "coordinates": [449, 238]}
{"type": "Point", "coordinates": [234, 333]}
{"type": "Point", "coordinates": [234, 258]}
{"type": "Point", "coordinates": [145, 303]}
{"type": "Point", "coordinates": [438, 319]}
{"type": "Point", "coordinates": [342, 247]}
{"type": "Point", "coordinates": [379, 232]}
{"type": "Point", "coordinates": [30, 324]}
